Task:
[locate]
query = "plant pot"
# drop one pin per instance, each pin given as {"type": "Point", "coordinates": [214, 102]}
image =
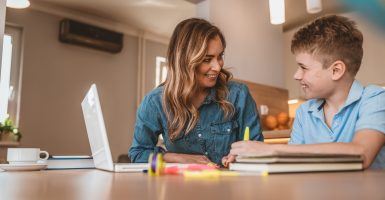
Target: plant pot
{"type": "Point", "coordinates": [7, 136]}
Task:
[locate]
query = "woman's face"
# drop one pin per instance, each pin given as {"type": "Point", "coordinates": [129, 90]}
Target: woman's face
{"type": "Point", "coordinates": [208, 70]}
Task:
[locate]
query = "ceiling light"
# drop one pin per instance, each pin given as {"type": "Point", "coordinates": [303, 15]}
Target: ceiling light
{"type": "Point", "coordinates": [18, 3]}
{"type": "Point", "coordinates": [313, 6]}
{"type": "Point", "coordinates": [293, 101]}
{"type": "Point", "coordinates": [277, 11]}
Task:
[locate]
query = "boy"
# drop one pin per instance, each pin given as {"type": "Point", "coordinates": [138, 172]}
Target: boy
{"type": "Point", "coordinates": [341, 116]}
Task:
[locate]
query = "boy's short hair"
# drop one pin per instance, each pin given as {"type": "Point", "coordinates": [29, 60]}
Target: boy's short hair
{"type": "Point", "coordinates": [329, 39]}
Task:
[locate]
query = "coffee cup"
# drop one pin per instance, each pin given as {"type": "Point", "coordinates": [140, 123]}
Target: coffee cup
{"type": "Point", "coordinates": [25, 155]}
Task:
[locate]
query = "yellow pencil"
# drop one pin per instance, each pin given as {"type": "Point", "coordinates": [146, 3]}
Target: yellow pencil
{"type": "Point", "coordinates": [246, 135]}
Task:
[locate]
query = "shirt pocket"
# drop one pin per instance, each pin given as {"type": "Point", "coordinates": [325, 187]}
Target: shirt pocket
{"type": "Point", "coordinates": [224, 135]}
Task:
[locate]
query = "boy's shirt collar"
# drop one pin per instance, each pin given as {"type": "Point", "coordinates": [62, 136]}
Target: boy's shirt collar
{"type": "Point", "coordinates": [354, 95]}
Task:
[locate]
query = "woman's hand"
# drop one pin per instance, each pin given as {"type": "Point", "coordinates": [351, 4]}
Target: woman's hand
{"type": "Point", "coordinates": [185, 158]}
{"type": "Point", "coordinates": [227, 160]}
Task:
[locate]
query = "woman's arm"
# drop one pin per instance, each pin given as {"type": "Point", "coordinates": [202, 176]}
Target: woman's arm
{"type": "Point", "coordinates": [146, 131]}
{"type": "Point", "coordinates": [185, 158]}
{"type": "Point", "coordinates": [247, 117]}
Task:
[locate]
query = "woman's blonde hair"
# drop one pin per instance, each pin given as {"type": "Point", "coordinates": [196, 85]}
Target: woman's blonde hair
{"type": "Point", "coordinates": [186, 51]}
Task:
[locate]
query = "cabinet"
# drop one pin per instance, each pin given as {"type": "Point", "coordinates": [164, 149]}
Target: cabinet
{"type": "Point", "coordinates": [4, 145]}
{"type": "Point", "coordinates": [277, 137]}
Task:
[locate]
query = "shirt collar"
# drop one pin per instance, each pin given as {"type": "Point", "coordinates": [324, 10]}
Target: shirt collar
{"type": "Point", "coordinates": [317, 105]}
{"type": "Point", "coordinates": [354, 95]}
{"type": "Point", "coordinates": [211, 96]}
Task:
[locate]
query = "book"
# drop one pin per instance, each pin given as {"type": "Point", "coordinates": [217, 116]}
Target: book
{"type": "Point", "coordinates": [280, 162]}
{"type": "Point", "coordinates": [70, 162]}
{"type": "Point", "coordinates": [280, 157]}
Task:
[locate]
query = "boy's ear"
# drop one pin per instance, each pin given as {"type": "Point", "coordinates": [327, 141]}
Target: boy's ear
{"type": "Point", "coordinates": [338, 69]}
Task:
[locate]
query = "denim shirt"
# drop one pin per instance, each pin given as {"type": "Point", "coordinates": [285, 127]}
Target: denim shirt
{"type": "Point", "coordinates": [213, 134]}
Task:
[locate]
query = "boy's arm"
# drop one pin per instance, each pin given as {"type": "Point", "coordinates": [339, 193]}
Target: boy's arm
{"type": "Point", "coordinates": [296, 135]}
{"type": "Point", "coordinates": [366, 142]}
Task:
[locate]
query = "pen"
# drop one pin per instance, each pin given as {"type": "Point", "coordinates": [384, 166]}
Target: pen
{"type": "Point", "coordinates": [246, 135]}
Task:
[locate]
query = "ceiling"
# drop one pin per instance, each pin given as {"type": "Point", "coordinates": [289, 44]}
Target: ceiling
{"type": "Point", "coordinates": [161, 16]}
{"type": "Point", "coordinates": [156, 16]}
{"type": "Point", "coordinates": [296, 14]}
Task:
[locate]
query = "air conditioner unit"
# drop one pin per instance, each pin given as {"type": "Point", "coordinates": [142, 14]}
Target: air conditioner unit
{"type": "Point", "coordinates": [78, 33]}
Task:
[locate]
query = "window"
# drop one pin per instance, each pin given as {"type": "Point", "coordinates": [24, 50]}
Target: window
{"type": "Point", "coordinates": [10, 74]}
{"type": "Point", "coordinates": [160, 71]}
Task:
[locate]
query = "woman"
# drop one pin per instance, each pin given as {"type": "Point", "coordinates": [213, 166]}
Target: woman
{"type": "Point", "coordinates": [198, 111]}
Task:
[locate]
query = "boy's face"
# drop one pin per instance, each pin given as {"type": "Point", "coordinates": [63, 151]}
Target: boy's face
{"type": "Point", "coordinates": [315, 81]}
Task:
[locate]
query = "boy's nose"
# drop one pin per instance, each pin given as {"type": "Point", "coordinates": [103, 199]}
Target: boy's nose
{"type": "Point", "coordinates": [298, 74]}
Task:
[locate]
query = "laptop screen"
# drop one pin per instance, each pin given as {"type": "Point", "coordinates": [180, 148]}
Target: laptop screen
{"type": "Point", "coordinates": [96, 130]}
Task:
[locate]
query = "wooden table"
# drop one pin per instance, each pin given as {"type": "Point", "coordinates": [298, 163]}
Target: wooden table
{"type": "Point", "coordinates": [95, 185]}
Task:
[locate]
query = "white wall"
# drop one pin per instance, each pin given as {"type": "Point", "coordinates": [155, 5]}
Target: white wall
{"type": "Point", "coordinates": [2, 26]}
{"type": "Point", "coordinates": [56, 77]}
{"type": "Point", "coordinates": [372, 69]}
{"type": "Point", "coordinates": [254, 46]}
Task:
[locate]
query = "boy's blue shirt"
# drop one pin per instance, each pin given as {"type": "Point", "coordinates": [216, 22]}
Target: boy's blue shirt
{"type": "Point", "coordinates": [212, 136]}
{"type": "Point", "coordinates": [363, 109]}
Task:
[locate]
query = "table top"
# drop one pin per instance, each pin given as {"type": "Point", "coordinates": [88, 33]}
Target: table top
{"type": "Point", "coordinates": [96, 184]}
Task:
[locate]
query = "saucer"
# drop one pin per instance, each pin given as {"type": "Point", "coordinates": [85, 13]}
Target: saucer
{"type": "Point", "coordinates": [23, 167]}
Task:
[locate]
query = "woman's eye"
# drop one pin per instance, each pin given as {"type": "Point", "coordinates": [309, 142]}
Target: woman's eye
{"type": "Point", "coordinates": [207, 60]}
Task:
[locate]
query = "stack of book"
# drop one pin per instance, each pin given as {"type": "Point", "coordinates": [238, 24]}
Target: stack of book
{"type": "Point", "coordinates": [70, 162]}
{"type": "Point", "coordinates": [280, 162]}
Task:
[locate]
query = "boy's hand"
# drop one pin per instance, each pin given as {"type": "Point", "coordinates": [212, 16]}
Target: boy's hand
{"type": "Point", "coordinates": [227, 160]}
{"type": "Point", "coordinates": [251, 148]}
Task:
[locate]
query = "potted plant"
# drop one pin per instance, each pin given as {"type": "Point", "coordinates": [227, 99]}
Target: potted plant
{"type": "Point", "coordinates": [9, 130]}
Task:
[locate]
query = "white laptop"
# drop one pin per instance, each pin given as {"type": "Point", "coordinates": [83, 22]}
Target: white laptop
{"type": "Point", "coordinates": [97, 135]}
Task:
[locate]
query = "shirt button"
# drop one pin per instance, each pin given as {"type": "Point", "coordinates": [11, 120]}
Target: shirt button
{"type": "Point", "coordinates": [206, 153]}
{"type": "Point", "coordinates": [199, 135]}
{"type": "Point", "coordinates": [228, 130]}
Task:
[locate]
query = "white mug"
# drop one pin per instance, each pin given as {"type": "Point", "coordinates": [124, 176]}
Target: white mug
{"type": "Point", "coordinates": [25, 155]}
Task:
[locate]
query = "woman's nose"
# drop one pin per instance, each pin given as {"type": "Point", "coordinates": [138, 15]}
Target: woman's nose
{"type": "Point", "coordinates": [216, 66]}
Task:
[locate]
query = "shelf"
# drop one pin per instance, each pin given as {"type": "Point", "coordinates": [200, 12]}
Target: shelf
{"type": "Point", "coordinates": [276, 134]}
{"type": "Point", "coordinates": [9, 144]}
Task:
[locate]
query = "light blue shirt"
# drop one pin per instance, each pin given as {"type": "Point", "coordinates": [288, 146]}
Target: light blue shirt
{"type": "Point", "coordinates": [363, 109]}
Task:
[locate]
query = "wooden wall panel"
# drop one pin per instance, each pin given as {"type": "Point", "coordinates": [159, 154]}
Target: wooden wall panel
{"type": "Point", "coordinates": [275, 98]}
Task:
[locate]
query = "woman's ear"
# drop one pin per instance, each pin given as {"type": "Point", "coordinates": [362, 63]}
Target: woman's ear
{"type": "Point", "coordinates": [338, 69]}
